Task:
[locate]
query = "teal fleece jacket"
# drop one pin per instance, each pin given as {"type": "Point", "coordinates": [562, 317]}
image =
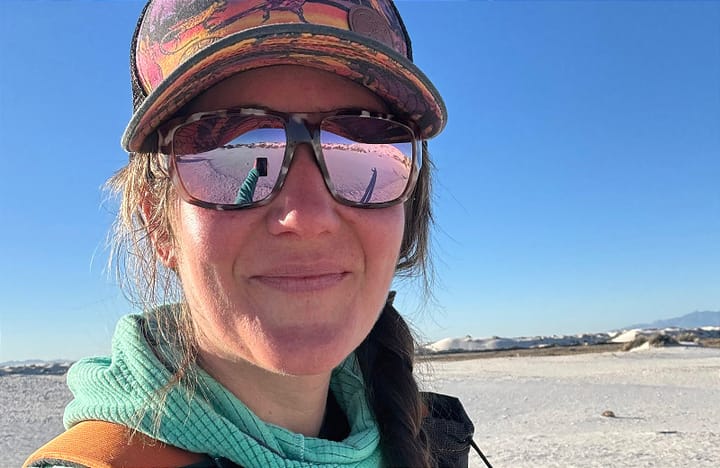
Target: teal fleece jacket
{"type": "Point", "coordinates": [212, 420]}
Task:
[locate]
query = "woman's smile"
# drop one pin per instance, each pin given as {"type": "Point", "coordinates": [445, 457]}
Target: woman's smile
{"type": "Point", "coordinates": [302, 278]}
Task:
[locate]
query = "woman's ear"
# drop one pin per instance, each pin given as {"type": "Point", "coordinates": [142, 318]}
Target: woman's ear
{"type": "Point", "coordinates": [159, 233]}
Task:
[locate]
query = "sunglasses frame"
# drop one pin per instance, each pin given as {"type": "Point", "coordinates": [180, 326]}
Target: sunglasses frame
{"type": "Point", "coordinates": [298, 130]}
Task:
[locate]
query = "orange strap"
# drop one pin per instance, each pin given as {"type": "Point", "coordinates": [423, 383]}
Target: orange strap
{"type": "Point", "coordinates": [101, 444]}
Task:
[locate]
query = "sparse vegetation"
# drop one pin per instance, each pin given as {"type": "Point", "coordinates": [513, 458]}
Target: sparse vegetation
{"type": "Point", "coordinates": [688, 337]}
{"type": "Point", "coordinates": [637, 342]}
{"type": "Point", "coordinates": [656, 340]}
{"type": "Point", "coordinates": [659, 340]}
{"type": "Point", "coordinates": [710, 342]}
{"type": "Point", "coordinates": [524, 352]}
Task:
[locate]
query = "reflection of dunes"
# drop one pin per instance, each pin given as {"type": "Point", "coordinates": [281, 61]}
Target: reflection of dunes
{"type": "Point", "coordinates": [351, 176]}
{"type": "Point", "coordinates": [205, 181]}
{"type": "Point", "coordinates": [381, 151]}
{"type": "Point", "coordinates": [260, 144]}
{"type": "Point", "coordinates": [378, 150]}
{"type": "Point", "coordinates": [385, 193]}
{"type": "Point", "coordinates": [217, 175]}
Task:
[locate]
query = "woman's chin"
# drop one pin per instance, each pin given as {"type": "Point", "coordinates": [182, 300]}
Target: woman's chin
{"type": "Point", "coordinates": [305, 350]}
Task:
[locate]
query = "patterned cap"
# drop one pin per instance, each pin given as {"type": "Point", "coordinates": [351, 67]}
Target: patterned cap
{"type": "Point", "coordinates": [183, 47]}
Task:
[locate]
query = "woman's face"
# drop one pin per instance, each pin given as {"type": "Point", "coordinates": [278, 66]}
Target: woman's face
{"type": "Point", "coordinates": [296, 285]}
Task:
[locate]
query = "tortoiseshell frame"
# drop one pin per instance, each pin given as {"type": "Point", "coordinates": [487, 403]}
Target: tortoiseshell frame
{"type": "Point", "coordinates": [298, 129]}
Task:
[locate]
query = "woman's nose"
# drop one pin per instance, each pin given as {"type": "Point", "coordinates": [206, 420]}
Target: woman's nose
{"type": "Point", "coordinates": [304, 206]}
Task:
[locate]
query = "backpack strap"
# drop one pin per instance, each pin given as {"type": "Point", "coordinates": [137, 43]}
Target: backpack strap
{"type": "Point", "coordinates": [449, 431]}
{"type": "Point", "coordinates": [102, 444]}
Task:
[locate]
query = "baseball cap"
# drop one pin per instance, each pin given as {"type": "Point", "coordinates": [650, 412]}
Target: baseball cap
{"type": "Point", "coordinates": [183, 47]}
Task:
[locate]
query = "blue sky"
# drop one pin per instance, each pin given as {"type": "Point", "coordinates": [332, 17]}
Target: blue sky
{"type": "Point", "coordinates": [577, 183]}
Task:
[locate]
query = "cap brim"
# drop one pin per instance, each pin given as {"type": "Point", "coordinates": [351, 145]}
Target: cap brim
{"type": "Point", "coordinates": [394, 78]}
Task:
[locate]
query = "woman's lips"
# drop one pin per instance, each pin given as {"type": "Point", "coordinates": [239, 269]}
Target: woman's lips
{"type": "Point", "coordinates": [300, 283]}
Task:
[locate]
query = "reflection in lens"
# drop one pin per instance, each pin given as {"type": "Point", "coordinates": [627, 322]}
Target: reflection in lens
{"type": "Point", "coordinates": [236, 159]}
{"type": "Point", "coordinates": [364, 172]}
{"type": "Point", "coordinates": [224, 174]}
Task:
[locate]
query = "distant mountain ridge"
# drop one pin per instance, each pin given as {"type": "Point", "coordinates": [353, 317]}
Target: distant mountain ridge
{"type": "Point", "coordinates": [31, 362]}
{"type": "Point", "coordinates": [42, 368]}
{"type": "Point", "coordinates": [695, 319]}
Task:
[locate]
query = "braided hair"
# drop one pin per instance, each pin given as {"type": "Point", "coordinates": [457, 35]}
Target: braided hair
{"type": "Point", "coordinates": [386, 360]}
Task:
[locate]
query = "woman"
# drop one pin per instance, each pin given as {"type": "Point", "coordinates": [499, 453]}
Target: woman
{"type": "Point", "coordinates": [278, 180]}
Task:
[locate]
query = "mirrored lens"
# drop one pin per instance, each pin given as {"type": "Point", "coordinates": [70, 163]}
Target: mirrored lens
{"type": "Point", "coordinates": [369, 160]}
{"type": "Point", "coordinates": [230, 160]}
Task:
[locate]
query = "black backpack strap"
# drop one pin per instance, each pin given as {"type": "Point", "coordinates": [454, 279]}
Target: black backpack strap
{"type": "Point", "coordinates": [449, 431]}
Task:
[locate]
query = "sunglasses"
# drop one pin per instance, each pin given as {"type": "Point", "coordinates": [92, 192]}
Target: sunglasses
{"type": "Point", "coordinates": [235, 159]}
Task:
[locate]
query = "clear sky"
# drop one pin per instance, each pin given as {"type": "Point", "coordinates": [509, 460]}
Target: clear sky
{"type": "Point", "coordinates": [577, 182]}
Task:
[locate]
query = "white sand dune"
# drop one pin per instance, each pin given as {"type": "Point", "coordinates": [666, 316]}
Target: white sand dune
{"type": "Point", "coordinates": [469, 343]}
{"type": "Point", "coordinates": [497, 343]}
{"type": "Point", "coordinates": [529, 412]}
{"type": "Point", "coordinates": [627, 336]}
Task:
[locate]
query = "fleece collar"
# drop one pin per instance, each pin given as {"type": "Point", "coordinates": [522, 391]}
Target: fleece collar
{"type": "Point", "coordinates": [211, 420]}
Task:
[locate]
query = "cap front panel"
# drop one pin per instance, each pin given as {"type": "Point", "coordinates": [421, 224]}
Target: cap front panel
{"type": "Point", "coordinates": [173, 31]}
